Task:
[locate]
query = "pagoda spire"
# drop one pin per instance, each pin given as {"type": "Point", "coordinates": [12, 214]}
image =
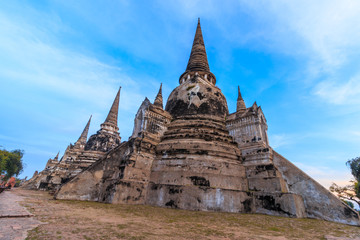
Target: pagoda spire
{"type": "Point", "coordinates": [57, 156]}
{"type": "Point", "coordinates": [198, 61]}
{"type": "Point", "coordinates": [159, 99]}
{"type": "Point", "coordinates": [83, 137]}
{"type": "Point", "coordinates": [113, 113]}
{"type": "Point", "coordinates": [240, 102]}
{"type": "Point", "coordinates": [110, 124]}
{"type": "Point", "coordinates": [198, 58]}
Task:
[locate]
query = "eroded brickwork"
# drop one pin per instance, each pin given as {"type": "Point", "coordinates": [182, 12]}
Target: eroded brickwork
{"type": "Point", "coordinates": [80, 155]}
{"type": "Point", "coordinates": [124, 175]}
{"type": "Point", "coordinates": [195, 155]}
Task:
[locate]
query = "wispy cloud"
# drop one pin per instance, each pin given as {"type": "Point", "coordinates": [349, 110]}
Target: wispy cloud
{"type": "Point", "coordinates": [280, 140]}
{"type": "Point", "coordinates": [32, 59]}
{"type": "Point", "coordinates": [326, 176]}
{"type": "Point", "coordinates": [328, 30]}
{"type": "Point", "coordinates": [340, 93]}
{"type": "Point", "coordinates": [356, 133]}
{"type": "Point", "coordinates": [50, 89]}
{"type": "Point", "coordinates": [325, 35]}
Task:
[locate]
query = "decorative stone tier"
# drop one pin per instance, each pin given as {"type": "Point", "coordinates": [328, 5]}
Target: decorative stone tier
{"type": "Point", "coordinates": [208, 76]}
{"type": "Point", "coordinates": [248, 127]}
{"type": "Point", "coordinates": [103, 141]}
{"type": "Point", "coordinates": [68, 168]}
{"type": "Point", "coordinates": [197, 153]}
{"type": "Point", "coordinates": [121, 177]}
{"type": "Point", "coordinates": [200, 198]}
{"type": "Point", "coordinates": [197, 96]}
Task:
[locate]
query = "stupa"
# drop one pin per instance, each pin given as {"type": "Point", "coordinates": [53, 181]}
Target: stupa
{"type": "Point", "coordinates": [195, 155]}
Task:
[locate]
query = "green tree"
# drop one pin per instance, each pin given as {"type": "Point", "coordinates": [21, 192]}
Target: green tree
{"type": "Point", "coordinates": [351, 191]}
{"type": "Point", "coordinates": [349, 203]}
{"type": "Point", "coordinates": [11, 163]}
{"type": "Point", "coordinates": [354, 165]}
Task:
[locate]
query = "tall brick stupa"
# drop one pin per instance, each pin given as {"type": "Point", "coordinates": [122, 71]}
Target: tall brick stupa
{"type": "Point", "coordinates": [195, 155]}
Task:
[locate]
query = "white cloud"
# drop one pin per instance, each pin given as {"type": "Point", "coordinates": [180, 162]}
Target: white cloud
{"type": "Point", "coordinates": [326, 176]}
{"type": "Point", "coordinates": [33, 57]}
{"type": "Point", "coordinates": [329, 30]}
{"type": "Point", "coordinates": [355, 133]}
{"type": "Point", "coordinates": [340, 93]}
{"type": "Point", "coordinates": [28, 57]}
{"type": "Point", "coordinates": [330, 27]}
{"type": "Point", "coordinates": [51, 88]}
{"type": "Point", "coordinates": [324, 35]}
{"type": "Point", "coordinates": [280, 140]}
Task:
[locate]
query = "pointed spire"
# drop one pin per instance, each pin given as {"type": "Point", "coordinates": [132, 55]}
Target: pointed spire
{"type": "Point", "coordinates": [159, 99]}
{"type": "Point", "coordinates": [198, 58]}
{"type": "Point", "coordinates": [240, 102]}
{"type": "Point", "coordinates": [83, 137]}
{"type": "Point", "coordinates": [66, 153]}
{"type": "Point", "coordinates": [113, 113]}
{"type": "Point", "coordinates": [57, 156]}
{"type": "Point", "coordinates": [198, 62]}
{"type": "Point", "coordinates": [110, 124]}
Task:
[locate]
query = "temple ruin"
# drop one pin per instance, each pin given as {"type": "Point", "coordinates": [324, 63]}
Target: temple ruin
{"type": "Point", "coordinates": [195, 155]}
{"type": "Point", "coordinates": [80, 155]}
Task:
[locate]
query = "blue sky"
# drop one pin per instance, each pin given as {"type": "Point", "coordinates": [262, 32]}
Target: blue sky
{"type": "Point", "coordinates": [61, 61]}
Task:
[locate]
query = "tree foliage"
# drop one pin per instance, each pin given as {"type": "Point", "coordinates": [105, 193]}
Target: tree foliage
{"type": "Point", "coordinates": [352, 191]}
{"type": "Point", "coordinates": [11, 163]}
{"type": "Point", "coordinates": [354, 165]}
{"type": "Point", "coordinates": [346, 193]}
{"type": "Point", "coordinates": [350, 204]}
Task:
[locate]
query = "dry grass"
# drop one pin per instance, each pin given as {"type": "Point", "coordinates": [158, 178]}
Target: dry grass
{"type": "Point", "coordinates": [90, 220]}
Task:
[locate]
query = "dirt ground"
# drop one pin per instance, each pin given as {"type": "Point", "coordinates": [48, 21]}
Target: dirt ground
{"type": "Point", "coordinates": [90, 220]}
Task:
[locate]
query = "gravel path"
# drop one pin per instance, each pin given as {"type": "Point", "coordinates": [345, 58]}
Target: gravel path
{"type": "Point", "coordinates": [15, 220]}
